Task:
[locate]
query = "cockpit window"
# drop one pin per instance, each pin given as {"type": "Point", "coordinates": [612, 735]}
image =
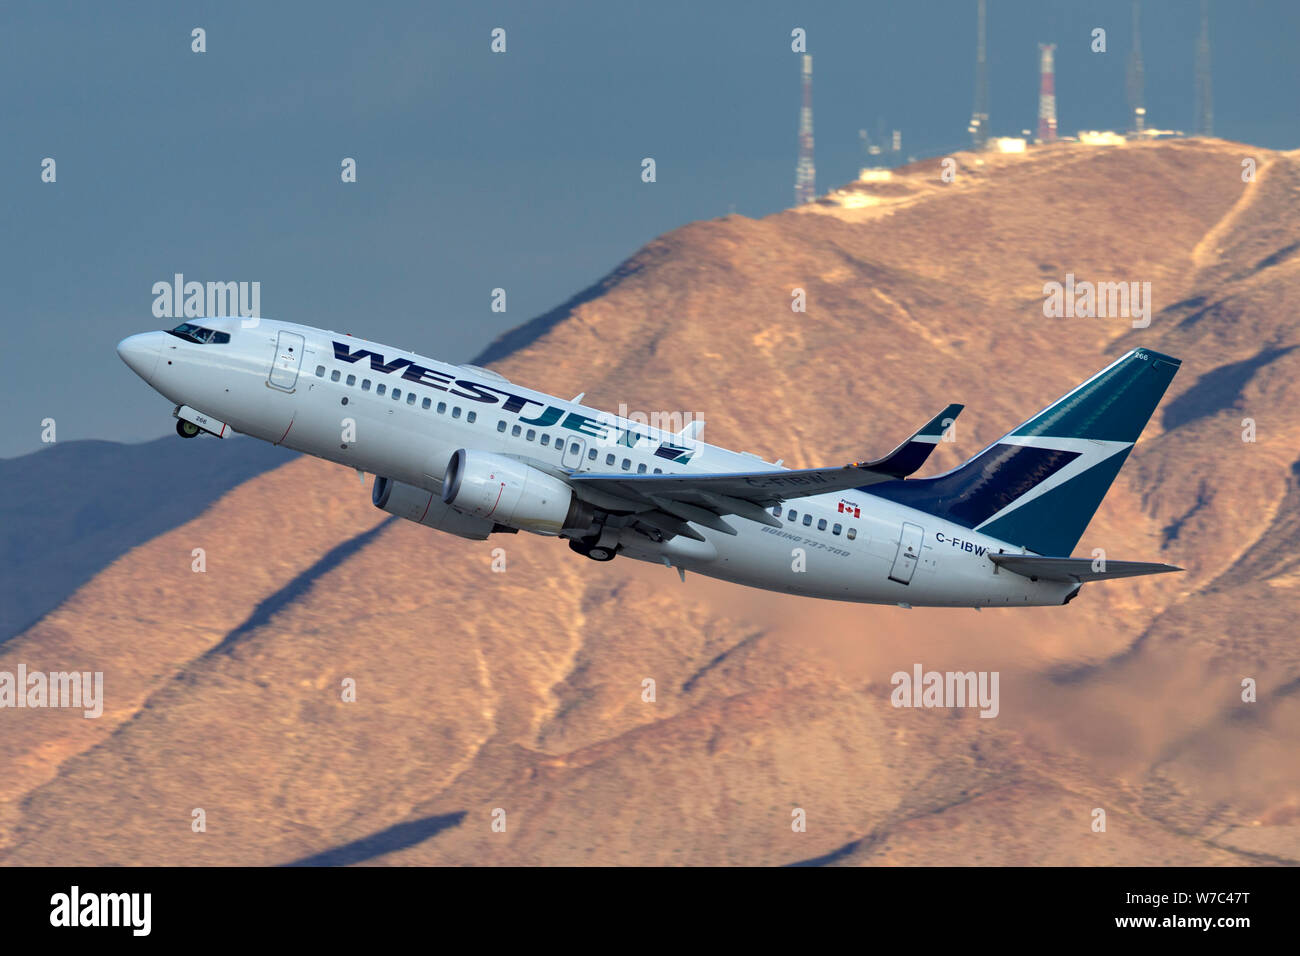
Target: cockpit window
{"type": "Point", "coordinates": [199, 335]}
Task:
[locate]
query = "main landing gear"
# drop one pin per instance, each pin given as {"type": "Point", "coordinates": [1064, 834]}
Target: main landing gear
{"type": "Point", "coordinates": [186, 429]}
{"type": "Point", "coordinates": [596, 552]}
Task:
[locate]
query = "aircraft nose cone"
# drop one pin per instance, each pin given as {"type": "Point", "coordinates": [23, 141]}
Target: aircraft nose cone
{"type": "Point", "coordinates": [140, 353]}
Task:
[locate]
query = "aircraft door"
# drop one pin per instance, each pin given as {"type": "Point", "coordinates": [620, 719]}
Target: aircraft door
{"type": "Point", "coordinates": [288, 359]}
{"type": "Point", "coordinates": [571, 456]}
{"type": "Point", "coordinates": [909, 550]}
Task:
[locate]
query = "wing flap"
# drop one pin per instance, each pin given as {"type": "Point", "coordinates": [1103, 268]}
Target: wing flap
{"type": "Point", "coordinates": [764, 488]}
{"type": "Point", "coordinates": [773, 485]}
{"type": "Point", "coordinates": [669, 525]}
{"type": "Point", "coordinates": [679, 500]}
{"type": "Point", "coordinates": [689, 512]}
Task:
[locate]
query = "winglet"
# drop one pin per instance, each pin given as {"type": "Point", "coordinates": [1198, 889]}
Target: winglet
{"type": "Point", "coordinates": [912, 454]}
{"type": "Point", "coordinates": [693, 430]}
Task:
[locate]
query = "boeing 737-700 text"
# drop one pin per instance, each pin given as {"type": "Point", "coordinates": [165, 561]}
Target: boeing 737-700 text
{"type": "Point", "coordinates": [463, 450]}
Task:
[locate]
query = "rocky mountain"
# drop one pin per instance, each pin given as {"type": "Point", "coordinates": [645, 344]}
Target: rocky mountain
{"type": "Point", "coordinates": [71, 509]}
{"type": "Point", "coordinates": [481, 694]}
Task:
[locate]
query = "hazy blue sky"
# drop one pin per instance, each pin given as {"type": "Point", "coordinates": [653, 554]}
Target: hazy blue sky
{"type": "Point", "coordinates": [477, 170]}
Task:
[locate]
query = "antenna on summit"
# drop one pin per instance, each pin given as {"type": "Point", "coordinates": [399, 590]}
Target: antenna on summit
{"type": "Point", "coordinates": [1137, 73]}
{"type": "Point", "coordinates": [1204, 95]}
{"type": "Point", "coordinates": [1047, 93]}
{"type": "Point", "coordinates": [805, 174]}
{"type": "Point", "coordinates": [979, 120]}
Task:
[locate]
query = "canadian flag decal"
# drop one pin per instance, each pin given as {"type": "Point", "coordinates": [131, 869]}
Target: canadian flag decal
{"type": "Point", "coordinates": [850, 508]}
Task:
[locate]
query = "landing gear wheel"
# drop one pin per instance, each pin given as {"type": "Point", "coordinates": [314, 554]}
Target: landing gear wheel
{"type": "Point", "coordinates": [186, 429]}
{"type": "Point", "coordinates": [593, 551]}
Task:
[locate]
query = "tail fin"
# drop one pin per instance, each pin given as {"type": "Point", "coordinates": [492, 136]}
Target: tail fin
{"type": "Point", "coordinates": [1039, 486]}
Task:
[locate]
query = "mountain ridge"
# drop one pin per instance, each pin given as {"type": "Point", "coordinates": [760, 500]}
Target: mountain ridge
{"type": "Point", "coordinates": [523, 691]}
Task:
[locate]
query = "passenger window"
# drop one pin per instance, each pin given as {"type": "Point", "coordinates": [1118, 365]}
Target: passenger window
{"type": "Point", "coordinates": [532, 433]}
{"type": "Point", "coordinates": [334, 375]}
{"type": "Point", "coordinates": [320, 371]}
{"type": "Point", "coordinates": [627, 464]}
{"type": "Point", "coordinates": [472, 417]}
{"type": "Point", "coordinates": [365, 385]}
{"type": "Point", "coordinates": [792, 515]}
{"type": "Point", "coordinates": [807, 520]}
{"type": "Point", "coordinates": [352, 380]}
{"type": "Point", "coordinates": [442, 408]}
{"type": "Point", "coordinates": [397, 394]}
{"type": "Point", "coordinates": [501, 425]}
{"type": "Point", "coordinates": [575, 448]}
{"type": "Point", "coordinates": [516, 432]}
{"type": "Point", "coordinates": [546, 439]}
{"type": "Point", "coordinates": [455, 411]}
{"type": "Point", "coordinates": [659, 471]}
{"type": "Point", "coordinates": [427, 404]}
{"type": "Point", "coordinates": [836, 529]}
{"type": "Point", "coordinates": [591, 455]}
{"type": "Point", "coordinates": [379, 389]}
{"type": "Point", "coordinates": [821, 524]}
{"type": "Point", "coordinates": [410, 398]}
{"type": "Point", "coordinates": [776, 510]}
{"type": "Point", "coordinates": [853, 533]}
{"type": "Point", "coordinates": [640, 469]}
{"type": "Point", "coordinates": [609, 460]}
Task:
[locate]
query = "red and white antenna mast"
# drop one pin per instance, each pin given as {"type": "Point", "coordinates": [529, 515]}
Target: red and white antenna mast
{"type": "Point", "coordinates": [1047, 94]}
{"type": "Point", "coordinates": [979, 118]}
{"type": "Point", "coordinates": [805, 174]}
{"type": "Point", "coordinates": [1204, 89]}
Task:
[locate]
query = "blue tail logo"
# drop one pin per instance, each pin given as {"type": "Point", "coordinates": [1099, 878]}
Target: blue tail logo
{"type": "Point", "coordinates": [1038, 486]}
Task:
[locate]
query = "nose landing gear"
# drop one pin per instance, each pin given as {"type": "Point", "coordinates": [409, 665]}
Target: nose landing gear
{"type": "Point", "coordinates": [190, 422]}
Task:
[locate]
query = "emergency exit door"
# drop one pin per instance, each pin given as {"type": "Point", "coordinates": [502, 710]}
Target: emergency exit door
{"type": "Point", "coordinates": [571, 455]}
{"type": "Point", "coordinates": [288, 359]}
{"type": "Point", "coordinates": [909, 551]}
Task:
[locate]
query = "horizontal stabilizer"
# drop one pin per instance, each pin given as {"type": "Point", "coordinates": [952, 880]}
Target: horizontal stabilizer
{"type": "Point", "coordinates": [1075, 569]}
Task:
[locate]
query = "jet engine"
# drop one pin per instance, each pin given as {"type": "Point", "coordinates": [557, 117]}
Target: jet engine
{"type": "Point", "coordinates": [424, 507]}
{"type": "Point", "coordinates": [498, 488]}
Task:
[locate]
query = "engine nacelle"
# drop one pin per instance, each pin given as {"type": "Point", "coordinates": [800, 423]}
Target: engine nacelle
{"type": "Point", "coordinates": [424, 507]}
{"type": "Point", "coordinates": [497, 488]}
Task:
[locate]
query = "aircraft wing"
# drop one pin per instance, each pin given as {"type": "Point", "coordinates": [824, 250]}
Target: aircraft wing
{"type": "Point", "coordinates": [1075, 569]}
{"type": "Point", "coordinates": [670, 502]}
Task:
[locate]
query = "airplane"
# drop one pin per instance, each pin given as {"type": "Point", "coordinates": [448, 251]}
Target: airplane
{"type": "Point", "coordinates": [462, 449]}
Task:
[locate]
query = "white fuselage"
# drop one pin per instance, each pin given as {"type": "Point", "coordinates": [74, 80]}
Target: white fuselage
{"type": "Point", "coordinates": [283, 383]}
